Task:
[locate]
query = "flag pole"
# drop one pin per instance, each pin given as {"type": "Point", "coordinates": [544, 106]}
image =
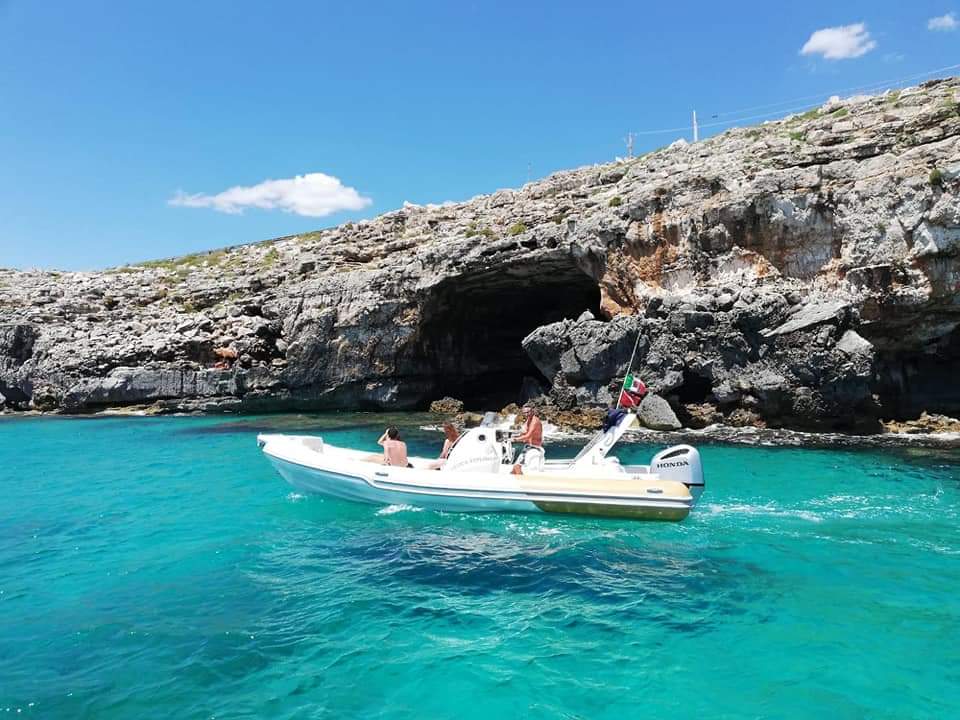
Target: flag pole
{"type": "Point", "coordinates": [629, 367]}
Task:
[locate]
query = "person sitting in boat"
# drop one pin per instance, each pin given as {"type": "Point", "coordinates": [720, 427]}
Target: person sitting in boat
{"type": "Point", "coordinates": [394, 449]}
{"type": "Point", "coordinates": [532, 457]}
{"type": "Point", "coordinates": [451, 435]}
{"type": "Point", "coordinates": [613, 417]}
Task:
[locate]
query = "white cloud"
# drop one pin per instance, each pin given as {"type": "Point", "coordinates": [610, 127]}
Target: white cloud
{"type": "Point", "coordinates": [840, 43]}
{"type": "Point", "coordinates": [944, 23]}
{"type": "Point", "coordinates": [312, 195]}
{"type": "Point", "coordinates": [407, 205]}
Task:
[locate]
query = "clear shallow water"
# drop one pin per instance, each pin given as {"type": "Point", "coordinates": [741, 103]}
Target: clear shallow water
{"type": "Point", "coordinates": [159, 568]}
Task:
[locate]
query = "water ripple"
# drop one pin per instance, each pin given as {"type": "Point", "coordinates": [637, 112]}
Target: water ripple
{"type": "Point", "coordinates": [190, 582]}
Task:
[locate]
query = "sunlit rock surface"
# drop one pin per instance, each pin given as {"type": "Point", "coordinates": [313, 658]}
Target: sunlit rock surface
{"type": "Point", "coordinates": [803, 272]}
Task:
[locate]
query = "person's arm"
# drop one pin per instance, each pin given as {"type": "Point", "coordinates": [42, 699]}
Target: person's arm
{"type": "Point", "coordinates": [383, 439]}
{"type": "Point", "coordinates": [524, 436]}
{"type": "Point", "coordinates": [446, 449]}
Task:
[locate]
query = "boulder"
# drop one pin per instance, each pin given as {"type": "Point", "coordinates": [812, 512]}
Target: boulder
{"type": "Point", "coordinates": [585, 350]}
{"type": "Point", "coordinates": [926, 423]}
{"type": "Point", "coordinates": [546, 345]}
{"type": "Point", "coordinates": [655, 413]}
{"type": "Point", "coordinates": [446, 406]}
{"type": "Point", "coordinates": [701, 415]}
{"type": "Point", "coordinates": [853, 344]}
{"type": "Point", "coordinates": [671, 380]}
{"type": "Point", "coordinates": [809, 315]}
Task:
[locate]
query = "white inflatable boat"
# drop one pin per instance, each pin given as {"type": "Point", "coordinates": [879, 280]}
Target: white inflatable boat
{"type": "Point", "coordinates": [478, 477]}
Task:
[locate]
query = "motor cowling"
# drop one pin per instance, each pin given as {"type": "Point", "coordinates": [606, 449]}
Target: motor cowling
{"type": "Point", "coordinates": [477, 450]}
{"type": "Point", "coordinates": [680, 463]}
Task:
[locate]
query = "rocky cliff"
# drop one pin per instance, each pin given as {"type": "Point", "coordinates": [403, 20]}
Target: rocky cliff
{"type": "Point", "coordinates": [802, 272]}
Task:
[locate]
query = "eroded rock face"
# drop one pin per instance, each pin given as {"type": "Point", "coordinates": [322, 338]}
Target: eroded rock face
{"type": "Point", "coordinates": [801, 272]}
{"type": "Point", "coordinates": [797, 365]}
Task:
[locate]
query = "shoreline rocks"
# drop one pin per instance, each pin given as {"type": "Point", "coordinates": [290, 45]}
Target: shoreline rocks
{"type": "Point", "coordinates": [926, 424]}
{"type": "Point", "coordinates": [446, 406]}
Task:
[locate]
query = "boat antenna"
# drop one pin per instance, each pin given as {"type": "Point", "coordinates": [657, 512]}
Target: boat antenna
{"type": "Point", "coordinates": [629, 366]}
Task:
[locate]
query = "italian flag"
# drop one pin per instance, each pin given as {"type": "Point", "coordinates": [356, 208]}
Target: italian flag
{"type": "Point", "coordinates": [633, 390]}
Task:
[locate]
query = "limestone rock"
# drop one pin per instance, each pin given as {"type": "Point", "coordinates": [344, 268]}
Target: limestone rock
{"type": "Point", "coordinates": [853, 344]}
{"type": "Point", "coordinates": [655, 413]}
{"type": "Point", "coordinates": [701, 415]}
{"type": "Point", "coordinates": [926, 423]}
{"type": "Point", "coordinates": [811, 315]}
{"type": "Point", "coordinates": [807, 282]}
{"type": "Point", "coordinates": [446, 406]}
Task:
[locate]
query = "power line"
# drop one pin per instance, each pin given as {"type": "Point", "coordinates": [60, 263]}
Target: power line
{"type": "Point", "coordinates": [868, 86]}
{"type": "Point", "coordinates": [786, 111]}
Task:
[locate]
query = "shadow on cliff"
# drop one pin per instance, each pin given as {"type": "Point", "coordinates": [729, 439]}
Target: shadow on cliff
{"type": "Point", "coordinates": [473, 327]}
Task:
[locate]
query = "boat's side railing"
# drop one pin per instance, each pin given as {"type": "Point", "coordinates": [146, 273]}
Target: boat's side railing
{"type": "Point", "coordinates": [590, 445]}
{"type": "Point", "coordinates": [598, 447]}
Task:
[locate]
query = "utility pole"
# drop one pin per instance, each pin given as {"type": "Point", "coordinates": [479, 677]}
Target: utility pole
{"type": "Point", "coordinates": [696, 130]}
{"type": "Point", "coordinates": [629, 141]}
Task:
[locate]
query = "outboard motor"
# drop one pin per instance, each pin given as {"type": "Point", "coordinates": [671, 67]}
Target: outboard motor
{"type": "Point", "coordinates": [680, 463]}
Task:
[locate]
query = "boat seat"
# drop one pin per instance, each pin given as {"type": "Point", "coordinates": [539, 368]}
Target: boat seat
{"type": "Point", "coordinates": [313, 443]}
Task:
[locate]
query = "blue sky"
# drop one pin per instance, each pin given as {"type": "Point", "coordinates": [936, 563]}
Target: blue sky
{"type": "Point", "coordinates": [108, 110]}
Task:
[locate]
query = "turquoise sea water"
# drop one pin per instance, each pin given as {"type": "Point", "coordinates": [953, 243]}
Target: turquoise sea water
{"type": "Point", "coordinates": [158, 568]}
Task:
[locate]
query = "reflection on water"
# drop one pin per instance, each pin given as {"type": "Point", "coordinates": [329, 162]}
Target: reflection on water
{"type": "Point", "coordinates": [646, 582]}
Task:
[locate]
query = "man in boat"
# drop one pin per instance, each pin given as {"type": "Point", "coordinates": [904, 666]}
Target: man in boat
{"type": "Point", "coordinates": [394, 449]}
{"type": "Point", "coordinates": [450, 436]}
{"type": "Point", "coordinates": [532, 436]}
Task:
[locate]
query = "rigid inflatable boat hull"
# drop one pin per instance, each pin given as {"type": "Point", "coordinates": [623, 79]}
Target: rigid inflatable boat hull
{"type": "Point", "coordinates": [359, 489]}
{"type": "Point", "coordinates": [388, 486]}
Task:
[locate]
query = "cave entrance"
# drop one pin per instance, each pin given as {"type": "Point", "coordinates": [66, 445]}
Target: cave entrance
{"type": "Point", "coordinates": [910, 382]}
{"type": "Point", "coordinates": [472, 327]}
{"type": "Point", "coordinates": [695, 388]}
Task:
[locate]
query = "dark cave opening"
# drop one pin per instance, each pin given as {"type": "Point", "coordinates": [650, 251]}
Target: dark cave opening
{"type": "Point", "coordinates": [695, 388]}
{"type": "Point", "coordinates": [911, 382]}
{"type": "Point", "coordinates": [472, 328]}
